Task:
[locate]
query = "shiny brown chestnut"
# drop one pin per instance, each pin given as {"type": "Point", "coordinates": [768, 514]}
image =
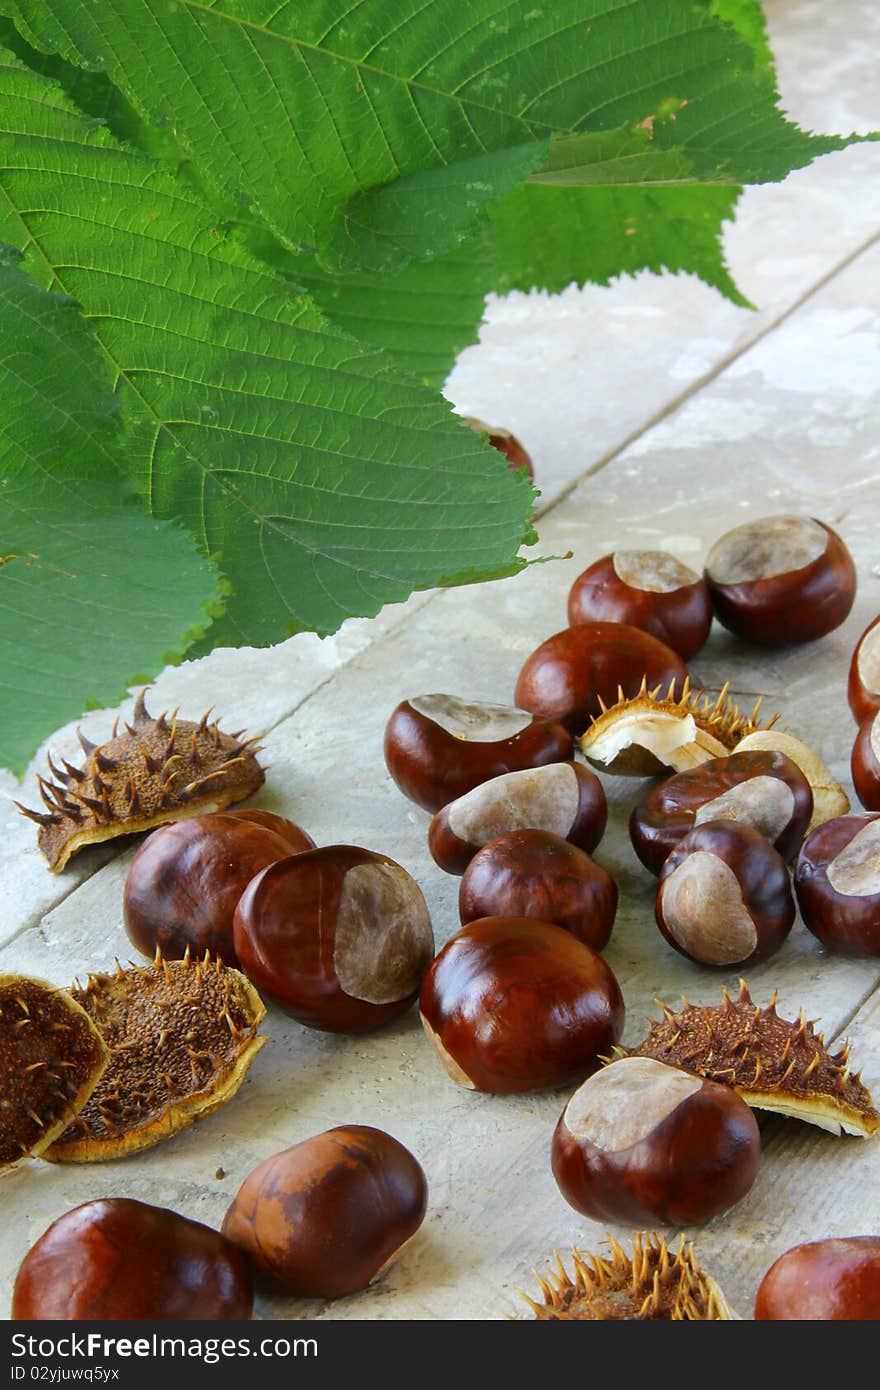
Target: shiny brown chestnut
{"type": "Point", "coordinates": [438, 747]}
{"type": "Point", "coordinates": [513, 1004]}
{"type": "Point", "coordinates": [837, 882]}
{"type": "Point", "coordinates": [823, 1281]}
{"type": "Point", "coordinates": [648, 589]}
{"type": "Point", "coordinates": [724, 896]}
{"type": "Point", "coordinates": [325, 1217]}
{"type": "Point", "coordinates": [644, 1144]}
{"type": "Point", "coordinates": [532, 873]}
{"type": "Point", "coordinates": [865, 763]}
{"type": "Point", "coordinates": [187, 877]}
{"type": "Point", "coordinates": [863, 686]}
{"type": "Point", "coordinates": [340, 937]}
{"type": "Point", "coordinates": [575, 672]}
{"type": "Point", "coordinates": [765, 790]}
{"type": "Point", "coordinates": [781, 580]}
{"type": "Point", "coordinates": [117, 1259]}
{"type": "Point", "coordinates": [565, 799]}
{"type": "Point", "coordinates": [506, 444]}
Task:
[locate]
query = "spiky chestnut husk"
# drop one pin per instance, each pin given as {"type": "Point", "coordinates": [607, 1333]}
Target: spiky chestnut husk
{"type": "Point", "coordinates": [51, 1058]}
{"type": "Point", "coordinates": [650, 1284]}
{"type": "Point", "coordinates": [772, 1062]}
{"type": "Point", "coordinates": [181, 1034]}
{"type": "Point", "coordinates": [159, 770]}
{"type": "Point", "coordinates": [650, 733]}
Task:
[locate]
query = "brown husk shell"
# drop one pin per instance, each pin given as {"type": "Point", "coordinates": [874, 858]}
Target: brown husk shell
{"type": "Point", "coordinates": [158, 770]}
{"type": "Point", "coordinates": [649, 1284]}
{"type": "Point", "coordinates": [773, 1063]}
{"type": "Point", "coordinates": [182, 1035]}
{"type": "Point", "coordinates": [51, 1058]}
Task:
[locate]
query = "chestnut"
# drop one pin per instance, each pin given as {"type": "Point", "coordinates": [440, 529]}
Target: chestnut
{"type": "Point", "coordinates": [506, 444]}
{"type": "Point", "coordinates": [865, 763]}
{"type": "Point", "coordinates": [829, 798]}
{"type": "Point", "coordinates": [564, 798]}
{"type": "Point", "coordinates": [648, 589]}
{"type": "Point", "coordinates": [187, 877]}
{"type": "Point", "coordinates": [765, 790]}
{"type": "Point", "coordinates": [512, 1004]}
{"type": "Point", "coordinates": [643, 1143]}
{"type": "Point", "coordinates": [325, 1217]}
{"type": "Point", "coordinates": [781, 580]}
{"type": "Point", "coordinates": [863, 688]}
{"type": "Point", "coordinates": [724, 896]}
{"type": "Point", "coordinates": [294, 834]}
{"type": "Point", "coordinates": [118, 1259]}
{"type": "Point", "coordinates": [531, 873]}
{"type": "Point", "coordinates": [438, 747]}
{"type": "Point", "coordinates": [340, 937]}
{"type": "Point", "coordinates": [837, 882]}
{"type": "Point", "coordinates": [823, 1281]}
{"type": "Point", "coordinates": [577, 672]}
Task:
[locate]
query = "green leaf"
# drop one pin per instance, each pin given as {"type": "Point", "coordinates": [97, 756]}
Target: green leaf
{"type": "Point", "coordinates": [539, 237]}
{"type": "Point", "coordinates": [325, 484]}
{"type": "Point", "coordinates": [549, 237]}
{"type": "Point", "coordinates": [612, 157]}
{"type": "Point", "coordinates": [326, 125]}
{"type": "Point", "coordinates": [94, 593]}
{"type": "Point", "coordinates": [747, 18]}
{"type": "Point", "coordinates": [432, 210]}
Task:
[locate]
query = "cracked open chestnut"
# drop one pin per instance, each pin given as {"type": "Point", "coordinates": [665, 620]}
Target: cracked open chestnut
{"type": "Point", "coordinates": [765, 790]}
{"type": "Point", "coordinates": [532, 873]}
{"type": "Point", "coordinates": [837, 882]}
{"type": "Point", "coordinates": [865, 763]}
{"type": "Point", "coordinates": [513, 1004]}
{"type": "Point", "coordinates": [724, 896]}
{"type": "Point", "coordinates": [643, 1143]}
{"type": "Point", "coordinates": [781, 580]}
{"type": "Point", "coordinates": [186, 879]}
{"type": "Point", "coordinates": [438, 747]}
{"type": "Point", "coordinates": [565, 799]}
{"type": "Point", "coordinates": [648, 589]}
{"type": "Point", "coordinates": [577, 672]}
{"type": "Point", "coordinates": [324, 1218]}
{"type": "Point", "coordinates": [823, 1280]}
{"type": "Point", "coordinates": [118, 1259]}
{"type": "Point", "coordinates": [863, 687]}
{"type": "Point", "coordinates": [340, 937]}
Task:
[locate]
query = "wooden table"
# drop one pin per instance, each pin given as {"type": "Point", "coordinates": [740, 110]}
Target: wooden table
{"type": "Point", "coordinates": [658, 416]}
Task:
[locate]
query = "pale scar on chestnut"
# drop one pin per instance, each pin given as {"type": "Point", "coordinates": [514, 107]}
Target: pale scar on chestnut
{"type": "Point", "coordinates": [543, 796]}
{"type": "Point", "coordinates": [626, 1101]}
{"type": "Point", "coordinates": [764, 803]}
{"type": "Point", "coordinates": [384, 940]}
{"type": "Point", "coordinates": [765, 548]}
{"type": "Point", "coordinates": [704, 911]}
{"type": "Point", "coordinates": [855, 871]}
{"type": "Point", "coordinates": [476, 721]}
{"type": "Point", "coordinates": [653, 571]}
